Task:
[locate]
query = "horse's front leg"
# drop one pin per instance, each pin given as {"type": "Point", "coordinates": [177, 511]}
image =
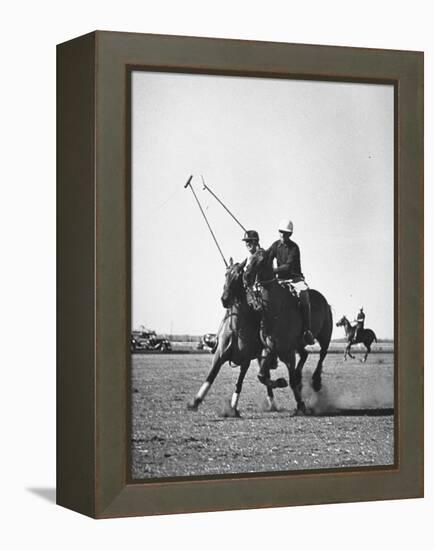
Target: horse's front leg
{"type": "Point", "coordinates": [217, 361]}
{"type": "Point", "coordinates": [267, 359]}
{"type": "Point", "coordinates": [264, 366]}
{"type": "Point", "coordinates": [368, 349]}
{"type": "Point", "coordinates": [348, 351]}
{"type": "Point", "coordinates": [272, 406]}
{"type": "Point", "coordinates": [238, 387]}
{"type": "Point", "coordinates": [303, 358]}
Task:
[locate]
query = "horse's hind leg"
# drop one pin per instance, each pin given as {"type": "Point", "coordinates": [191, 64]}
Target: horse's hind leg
{"type": "Point", "coordinates": [303, 358]}
{"type": "Point", "coordinates": [217, 362]}
{"type": "Point", "coordinates": [324, 341]}
{"type": "Point", "coordinates": [316, 376]}
{"type": "Point", "coordinates": [295, 381]}
{"type": "Point", "coordinates": [368, 350]}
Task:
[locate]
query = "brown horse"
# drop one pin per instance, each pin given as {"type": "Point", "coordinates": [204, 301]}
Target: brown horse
{"type": "Point", "coordinates": [238, 340]}
{"type": "Point", "coordinates": [282, 325]}
{"type": "Point", "coordinates": [365, 336]}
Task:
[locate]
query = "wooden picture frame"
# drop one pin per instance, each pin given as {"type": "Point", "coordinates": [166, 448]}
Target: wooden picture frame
{"type": "Point", "coordinates": [93, 272]}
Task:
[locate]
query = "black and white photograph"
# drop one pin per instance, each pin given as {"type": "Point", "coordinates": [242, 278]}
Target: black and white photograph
{"type": "Point", "coordinates": [262, 275]}
{"type": "Point", "coordinates": [194, 193]}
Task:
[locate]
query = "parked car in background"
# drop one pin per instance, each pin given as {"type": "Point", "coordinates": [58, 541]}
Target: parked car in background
{"type": "Point", "coordinates": [208, 341]}
{"type": "Point", "coordinates": [147, 340]}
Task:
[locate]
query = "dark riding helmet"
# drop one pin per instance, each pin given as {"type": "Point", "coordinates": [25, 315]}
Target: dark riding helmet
{"type": "Point", "coordinates": [251, 235]}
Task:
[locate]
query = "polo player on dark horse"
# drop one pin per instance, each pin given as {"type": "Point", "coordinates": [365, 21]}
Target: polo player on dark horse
{"type": "Point", "coordinates": [290, 321]}
{"type": "Point", "coordinates": [357, 334]}
{"type": "Point", "coordinates": [286, 255]}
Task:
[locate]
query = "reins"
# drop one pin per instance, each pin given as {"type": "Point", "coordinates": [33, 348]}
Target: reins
{"type": "Point", "coordinates": [267, 282]}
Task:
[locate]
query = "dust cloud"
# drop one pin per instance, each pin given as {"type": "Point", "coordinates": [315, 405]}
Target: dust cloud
{"type": "Point", "coordinates": [330, 400]}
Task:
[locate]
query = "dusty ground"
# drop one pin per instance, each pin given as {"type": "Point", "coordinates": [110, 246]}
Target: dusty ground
{"type": "Point", "coordinates": [353, 425]}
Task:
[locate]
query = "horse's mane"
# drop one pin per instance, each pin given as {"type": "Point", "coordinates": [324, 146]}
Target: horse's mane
{"type": "Point", "coordinates": [262, 261]}
{"type": "Point", "coordinates": [237, 270]}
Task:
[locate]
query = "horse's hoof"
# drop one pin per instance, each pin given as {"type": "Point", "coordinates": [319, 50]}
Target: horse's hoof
{"type": "Point", "coordinates": [281, 383]}
{"type": "Point", "coordinates": [193, 405]}
{"type": "Point", "coordinates": [231, 413]}
{"type": "Point", "coordinates": [300, 410]}
{"type": "Point", "coordinates": [273, 384]}
{"type": "Point", "coordinates": [316, 384]}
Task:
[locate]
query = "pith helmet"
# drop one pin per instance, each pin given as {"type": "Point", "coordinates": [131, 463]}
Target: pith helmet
{"type": "Point", "coordinates": [286, 225]}
{"type": "Point", "coordinates": [251, 235]}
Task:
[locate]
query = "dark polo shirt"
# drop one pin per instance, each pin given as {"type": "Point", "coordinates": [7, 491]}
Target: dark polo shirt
{"type": "Point", "coordinates": [288, 259]}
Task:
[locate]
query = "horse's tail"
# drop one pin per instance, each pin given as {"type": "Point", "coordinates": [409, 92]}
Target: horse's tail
{"type": "Point", "coordinates": [330, 314]}
{"type": "Point", "coordinates": [325, 333]}
{"type": "Point", "coordinates": [370, 334]}
{"type": "Point", "coordinates": [330, 319]}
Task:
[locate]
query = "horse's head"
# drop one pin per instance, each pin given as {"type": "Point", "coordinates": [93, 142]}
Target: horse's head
{"type": "Point", "coordinates": [257, 265]}
{"type": "Point", "coordinates": [342, 322]}
{"type": "Point", "coordinates": [233, 288]}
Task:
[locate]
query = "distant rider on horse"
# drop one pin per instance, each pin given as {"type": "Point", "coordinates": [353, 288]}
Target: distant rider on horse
{"type": "Point", "coordinates": [360, 322]}
{"type": "Point", "coordinates": [287, 255]}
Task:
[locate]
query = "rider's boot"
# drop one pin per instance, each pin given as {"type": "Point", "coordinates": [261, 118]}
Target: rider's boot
{"type": "Point", "coordinates": [356, 335]}
{"type": "Point", "coordinates": [305, 311]}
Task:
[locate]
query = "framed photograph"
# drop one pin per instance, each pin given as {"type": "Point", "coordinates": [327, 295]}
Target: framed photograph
{"type": "Point", "coordinates": [240, 274]}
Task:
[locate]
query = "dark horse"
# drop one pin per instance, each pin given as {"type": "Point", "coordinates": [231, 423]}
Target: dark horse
{"type": "Point", "coordinates": [365, 336]}
{"type": "Point", "coordinates": [282, 325]}
{"type": "Point", "coordinates": [238, 339]}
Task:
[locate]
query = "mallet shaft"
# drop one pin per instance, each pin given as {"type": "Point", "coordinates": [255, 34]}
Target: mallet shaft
{"type": "Point", "coordinates": [188, 184]}
{"type": "Point", "coordinates": [205, 186]}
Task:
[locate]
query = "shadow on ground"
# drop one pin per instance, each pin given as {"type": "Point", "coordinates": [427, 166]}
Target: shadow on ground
{"type": "Point", "coordinates": [357, 412]}
{"type": "Point", "coordinates": [47, 493]}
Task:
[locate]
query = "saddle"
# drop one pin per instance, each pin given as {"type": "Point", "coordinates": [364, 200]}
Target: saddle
{"type": "Point", "coordinates": [287, 283]}
{"type": "Point", "coordinates": [254, 294]}
{"type": "Point", "coordinates": [358, 336]}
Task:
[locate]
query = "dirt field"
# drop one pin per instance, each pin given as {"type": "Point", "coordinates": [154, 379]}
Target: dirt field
{"type": "Point", "coordinates": [353, 424]}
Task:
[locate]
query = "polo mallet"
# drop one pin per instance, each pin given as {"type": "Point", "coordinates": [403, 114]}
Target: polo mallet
{"type": "Point", "coordinates": [188, 184]}
{"type": "Point", "coordinates": [205, 187]}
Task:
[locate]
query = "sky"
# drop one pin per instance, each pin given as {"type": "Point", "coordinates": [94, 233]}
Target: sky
{"type": "Point", "coordinates": [319, 153]}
